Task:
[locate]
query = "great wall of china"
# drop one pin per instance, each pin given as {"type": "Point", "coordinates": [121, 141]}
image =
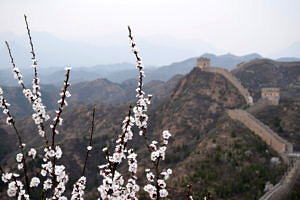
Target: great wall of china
{"type": "Point", "coordinates": [204, 64]}
{"type": "Point", "coordinates": [277, 143]}
{"type": "Point", "coordinates": [233, 80]}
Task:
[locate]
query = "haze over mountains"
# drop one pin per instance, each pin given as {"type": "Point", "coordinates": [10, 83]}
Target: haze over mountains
{"type": "Point", "coordinates": [56, 52]}
{"type": "Point", "coordinates": [157, 50]}
{"type": "Point", "coordinates": [292, 51]}
{"type": "Point", "coordinates": [118, 72]}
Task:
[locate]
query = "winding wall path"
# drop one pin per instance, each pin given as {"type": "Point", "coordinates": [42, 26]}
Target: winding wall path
{"type": "Point", "coordinates": [263, 131]}
{"type": "Point", "coordinates": [283, 147]}
{"type": "Point", "coordinates": [281, 189]}
{"type": "Point", "coordinates": [233, 80]}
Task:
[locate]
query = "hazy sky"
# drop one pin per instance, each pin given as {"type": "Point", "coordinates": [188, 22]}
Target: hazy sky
{"type": "Point", "coordinates": [236, 26]}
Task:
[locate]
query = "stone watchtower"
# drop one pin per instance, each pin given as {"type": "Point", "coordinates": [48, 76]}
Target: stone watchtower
{"type": "Point", "coordinates": [271, 94]}
{"type": "Point", "coordinates": [203, 62]}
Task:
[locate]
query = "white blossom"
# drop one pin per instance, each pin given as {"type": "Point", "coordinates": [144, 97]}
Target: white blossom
{"type": "Point", "coordinates": [58, 152]}
{"type": "Point", "coordinates": [47, 184]}
{"type": "Point", "coordinates": [32, 153]}
{"type": "Point", "coordinates": [151, 190]}
{"type": "Point", "coordinates": [43, 172]}
{"type": "Point", "coordinates": [89, 148]}
{"type": "Point", "coordinates": [15, 188]}
{"type": "Point", "coordinates": [12, 189]}
{"type": "Point", "coordinates": [20, 166]}
{"type": "Point", "coordinates": [34, 182]}
{"type": "Point", "coordinates": [163, 193]}
{"type": "Point", "coordinates": [150, 176]}
{"type": "Point", "coordinates": [68, 94]}
{"type": "Point", "coordinates": [19, 157]}
{"type": "Point", "coordinates": [6, 177]}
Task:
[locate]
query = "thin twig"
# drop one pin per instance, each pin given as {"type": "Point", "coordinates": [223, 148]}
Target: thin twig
{"type": "Point", "coordinates": [35, 79]}
{"type": "Point", "coordinates": [31, 45]}
{"type": "Point", "coordinates": [139, 62]}
{"type": "Point", "coordinates": [90, 142]}
{"type": "Point", "coordinates": [56, 122]}
{"type": "Point", "coordinates": [14, 65]}
{"type": "Point", "coordinates": [2, 171]}
{"type": "Point", "coordinates": [189, 193]}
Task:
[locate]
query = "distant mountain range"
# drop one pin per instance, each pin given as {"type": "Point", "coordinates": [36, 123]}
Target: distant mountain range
{"type": "Point", "coordinates": [90, 92]}
{"type": "Point", "coordinates": [268, 73]}
{"type": "Point", "coordinates": [124, 71]}
{"type": "Point", "coordinates": [54, 53]}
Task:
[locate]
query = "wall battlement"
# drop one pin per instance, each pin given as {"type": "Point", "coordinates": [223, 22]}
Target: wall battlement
{"type": "Point", "coordinates": [271, 94]}
{"type": "Point", "coordinates": [203, 62]}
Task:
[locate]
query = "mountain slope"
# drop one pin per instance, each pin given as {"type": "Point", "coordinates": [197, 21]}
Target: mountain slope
{"type": "Point", "coordinates": [230, 163]}
{"type": "Point", "coordinates": [283, 119]}
{"type": "Point", "coordinates": [260, 73]}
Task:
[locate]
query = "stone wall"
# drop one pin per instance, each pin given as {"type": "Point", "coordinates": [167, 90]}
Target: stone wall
{"type": "Point", "coordinates": [282, 189]}
{"type": "Point", "coordinates": [233, 80]}
{"type": "Point", "coordinates": [264, 132]}
{"type": "Point", "coordinates": [284, 148]}
{"type": "Point", "coordinates": [259, 105]}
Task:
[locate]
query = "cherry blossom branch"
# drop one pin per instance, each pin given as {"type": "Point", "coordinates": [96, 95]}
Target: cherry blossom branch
{"type": "Point", "coordinates": [141, 120]}
{"type": "Point", "coordinates": [36, 82]}
{"type": "Point", "coordinates": [142, 102]}
{"type": "Point", "coordinates": [58, 121]}
{"type": "Point", "coordinates": [113, 183]}
{"type": "Point", "coordinates": [140, 65]}
{"type": "Point", "coordinates": [58, 177]}
{"type": "Point", "coordinates": [21, 158]}
{"type": "Point", "coordinates": [89, 148]}
{"type": "Point", "coordinates": [40, 113]}
{"type": "Point", "coordinates": [62, 102]}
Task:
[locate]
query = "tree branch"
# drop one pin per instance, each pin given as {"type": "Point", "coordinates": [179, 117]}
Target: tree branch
{"type": "Point", "coordinates": [90, 142]}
